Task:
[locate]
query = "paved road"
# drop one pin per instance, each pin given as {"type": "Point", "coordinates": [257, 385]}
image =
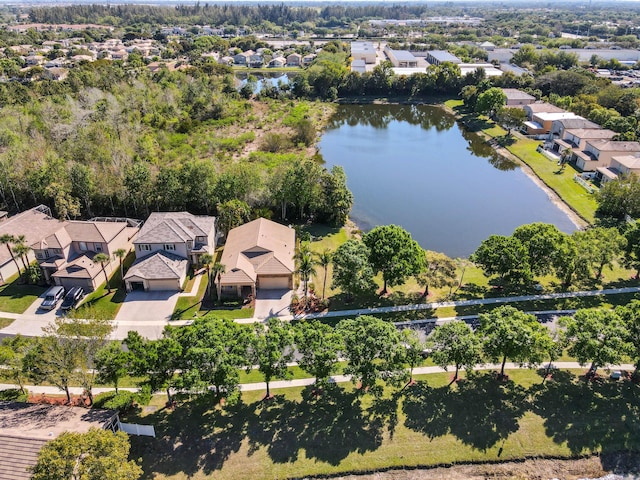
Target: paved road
{"type": "Point", "coordinates": [303, 382]}
{"type": "Point", "coordinates": [151, 326]}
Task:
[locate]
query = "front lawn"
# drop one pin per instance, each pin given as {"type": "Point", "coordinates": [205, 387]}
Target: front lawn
{"type": "Point", "coordinates": [104, 304]}
{"type": "Point", "coordinates": [296, 436]}
{"type": "Point", "coordinates": [16, 298]}
{"type": "Point", "coordinates": [5, 322]}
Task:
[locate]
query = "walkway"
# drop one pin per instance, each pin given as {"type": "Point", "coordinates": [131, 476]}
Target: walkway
{"type": "Point", "coordinates": [152, 325]}
{"type": "Point", "coordinates": [303, 382]}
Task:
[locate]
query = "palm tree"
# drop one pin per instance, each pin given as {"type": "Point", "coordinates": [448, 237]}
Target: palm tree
{"type": "Point", "coordinates": [22, 250]}
{"type": "Point", "coordinates": [102, 258]}
{"type": "Point", "coordinates": [7, 239]}
{"type": "Point", "coordinates": [217, 271]}
{"type": "Point", "coordinates": [304, 248]}
{"type": "Point", "coordinates": [324, 259]}
{"type": "Point", "coordinates": [206, 260]}
{"type": "Point", "coordinates": [120, 254]}
{"type": "Point", "coordinates": [306, 268]}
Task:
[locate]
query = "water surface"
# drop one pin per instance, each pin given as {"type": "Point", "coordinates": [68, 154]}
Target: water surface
{"type": "Point", "coordinates": [415, 167]}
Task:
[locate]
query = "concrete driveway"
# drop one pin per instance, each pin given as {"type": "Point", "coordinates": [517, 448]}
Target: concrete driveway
{"type": "Point", "coordinates": [151, 306]}
{"type": "Point", "coordinates": [35, 310]}
{"type": "Point", "coordinates": [272, 303]}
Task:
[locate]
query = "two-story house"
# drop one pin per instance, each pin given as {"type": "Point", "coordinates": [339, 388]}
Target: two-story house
{"type": "Point", "coordinates": [558, 127]}
{"type": "Point", "coordinates": [620, 165]}
{"type": "Point", "coordinates": [168, 243]}
{"type": "Point", "coordinates": [598, 153]}
{"type": "Point", "coordinates": [66, 255]}
{"type": "Point", "coordinates": [577, 138]}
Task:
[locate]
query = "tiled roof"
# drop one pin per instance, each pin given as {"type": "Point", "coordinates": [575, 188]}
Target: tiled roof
{"type": "Point", "coordinates": [158, 266]}
{"type": "Point", "coordinates": [613, 146]}
{"type": "Point", "coordinates": [17, 456]}
{"type": "Point", "coordinates": [94, 231]}
{"type": "Point", "coordinates": [260, 247]}
{"type": "Point", "coordinates": [80, 267]}
{"type": "Point", "coordinates": [172, 227]}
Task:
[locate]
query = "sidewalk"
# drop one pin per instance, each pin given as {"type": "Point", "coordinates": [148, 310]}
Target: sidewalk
{"type": "Point", "coordinates": [31, 325]}
{"type": "Point", "coordinates": [303, 382]}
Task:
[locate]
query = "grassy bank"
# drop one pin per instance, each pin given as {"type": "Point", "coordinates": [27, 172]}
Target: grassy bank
{"type": "Point", "coordinates": [295, 435]}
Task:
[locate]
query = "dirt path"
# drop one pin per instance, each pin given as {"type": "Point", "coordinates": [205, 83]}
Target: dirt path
{"type": "Point", "coordinates": [538, 469]}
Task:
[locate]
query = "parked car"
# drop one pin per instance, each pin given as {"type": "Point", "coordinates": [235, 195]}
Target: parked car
{"type": "Point", "coordinates": [52, 297]}
{"type": "Point", "coordinates": [72, 298]}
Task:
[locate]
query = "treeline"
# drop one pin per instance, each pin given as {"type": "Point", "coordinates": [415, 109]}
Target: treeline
{"type": "Point", "coordinates": [113, 139]}
{"type": "Point", "coordinates": [219, 14]}
{"type": "Point", "coordinates": [209, 354]}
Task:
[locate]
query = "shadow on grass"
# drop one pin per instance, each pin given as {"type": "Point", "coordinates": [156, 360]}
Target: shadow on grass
{"type": "Point", "coordinates": [481, 412]}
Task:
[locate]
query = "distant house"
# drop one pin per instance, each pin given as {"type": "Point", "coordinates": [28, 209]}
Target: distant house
{"type": "Point", "coordinates": [517, 98]}
{"type": "Point", "coordinates": [243, 58]}
{"type": "Point", "coordinates": [294, 60]}
{"type": "Point", "coordinates": [437, 57]}
{"type": "Point", "coordinates": [541, 107]}
{"type": "Point", "coordinates": [488, 46]}
{"type": "Point", "coordinates": [401, 58]}
{"type": "Point", "coordinates": [66, 255]}
{"type": "Point", "coordinates": [598, 153]}
{"type": "Point", "coordinates": [255, 60]}
{"type": "Point", "coordinates": [577, 138]}
{"type": "Point", "coordinates": [258, 254]}
{"type": "Point", "coordinates": [26, 427]}
{"type": "Point", "coordinates": [490, 70]}
{"type": "Point", "coordinates": [56, 74]}
{"type": "Point", "coordinates": [558, 127]}
{"type": "Point", "coordinates": [358, 66]}
{"type": "Point", "coordinates": [168, 243]}
{"type": "Point", "coordinates": [277, 62]}
{"type": "Point", "coordinates": [620, 165]}
{"type": "Point", "coordinates": [308, 59]}
{"type": "Point", "coordinates": [363, 51]}
{"type": "Point", "coordinates": [226, 60]}
{"type": "Point", "coordinates": [541, 122]}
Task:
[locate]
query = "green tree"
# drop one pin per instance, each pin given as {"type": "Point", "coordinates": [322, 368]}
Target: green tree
{"type": "Point", "coordinates": [8, 240]}
{"type": "Point", "coordinates": [112, 364]}
{"type": "Point", "coordinates": [102, 259]}
{"type": "Point", "coordinates": [94, 455]}
{"type": "Point", "coordinates": [155, 359]}
{"type": "Point", "coordinates": [511, 117]}
{"type": "Point", "coordinates": [620, 197]}
{"type": "Point", "coordinates": [505, 257]}
{"type": "Point", "coordinates": [373, 350]}
{"type": "Point", "coordinates": [306, 269]}
{"type": "Point", "coordinates": [454, 343]}
{"type": "Point", "coordinates": [632, 248]}
{"type": "Point", "coordinates": [213, 352]}
{"type": "Point", "coordinates": [318, 345]}
{"type": "Point", "coordinates": [352, 272]}
{"type": "Point", "coordinates": [603, 247]}
{"type": "Point", "coordinates": [324, 260]}
{"type": "Point", "coordinates": [217, 270]}
{"type": "Point", "coordinates": [490, 101]}
{"type": "Point", "coordinates": [394, 253]}
{"type": "Point", "coordinates": [338, 199]}
{"type": "Point", "coordinates": [508, 333]}
{"type": "Point", "coordinates": [414, 349]}
{"type": "Point", "coordinates": [121, 254]}
{"type": "Point", "coordinates": [596, 335]}
{"type": "Point", "coordinates": [540, 241]}
{"type": "Point", "coordinates": [630, 315]}
{"type": "Point", "coordinates": [270, 349]}
{"type": "Point", "coordinates": [206, 260]}
{"type": "Point", "coordinates": [439, 272]}
{"type": "Point", "coordinates": [232, 214]}
{"type": "Point", "coordinates": [12, 353]}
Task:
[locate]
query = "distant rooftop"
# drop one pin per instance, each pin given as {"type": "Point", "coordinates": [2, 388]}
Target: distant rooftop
{"type": "Point", "coordinates": [444, 56]}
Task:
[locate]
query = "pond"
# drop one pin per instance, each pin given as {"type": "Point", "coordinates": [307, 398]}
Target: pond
{"type": "Point", "coordinates": [414, 166]}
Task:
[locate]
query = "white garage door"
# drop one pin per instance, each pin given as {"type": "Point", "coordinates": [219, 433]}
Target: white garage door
{"type": "Point", "coordinates": [272, 283]}
{"type": "Point", "coordinates": [156, 285]}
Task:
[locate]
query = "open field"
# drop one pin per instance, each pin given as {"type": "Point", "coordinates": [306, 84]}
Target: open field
{"type": "Point", "coordinates": [294, 435]}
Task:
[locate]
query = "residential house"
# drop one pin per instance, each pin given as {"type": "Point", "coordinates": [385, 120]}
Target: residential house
{"type": "Point", "coordinates": [168, 243]}
{"type": "Point", "coordinates": [598, 153]}
{"type": "Point", "coordinates": [541, 122]}
{"type": "Point", "coordinates": [66, 255]}
{"type": "Point", "coordinates": [363, 51]}
{"type": "Point", "coordinates": [258, 254]}
{"type": "Point", "coordinates": [35, 224]}
{"type": "Point", "coordinates": [255, 60]}
{"type": "Point", "coordinates": [294, 60]}
{"type": "Point", "coordinates": [243, 57]}
{"type": "Point", "coordinates": [488, 46]}
{"type": "Point", "coordinates": [277, 62]}
{"type": "Point", "coordinates": [517, 98]}
{"type": "Point", "coordinates": [541, 107]}
{"type": "Point", "coordinates": [57, 74]}
{"type": "Point", "coordinates": [308, 59]}
{"type": "Point", "coordinates": [577, 138]}
{"type": "Point", "coordinates": [559, 126]}
{"type": "Point", "coordinates": [26, 427]}
{"type": "Point", "coordinates": [620, 165]}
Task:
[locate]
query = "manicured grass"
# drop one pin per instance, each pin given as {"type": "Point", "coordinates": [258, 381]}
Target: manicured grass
{"type": "Point", "coordinates": [15, 298]}
{"type": "Point", "coordinates": [228, 314]}
{"type": "Point", "coordinates": [5, 322]}
{"type": "Point", "coordinates": [480, 419]}
{"type": "Point", "coordinates": [104, 304]}
{"type": "Point", "coordinates": [187, 307]}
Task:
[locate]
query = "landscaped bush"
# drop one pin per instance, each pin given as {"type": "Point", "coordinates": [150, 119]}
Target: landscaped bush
{"type": "Point", "coordinates": [14, 395]}
{"type": "Point", "coordinates": [122, 401]}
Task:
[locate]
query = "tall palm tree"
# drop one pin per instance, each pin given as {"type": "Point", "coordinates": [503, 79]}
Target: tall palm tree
{"type": "Point", "coordinates": [217, 271]}
{"type": "Point", "coordinates": [102, 259]}
{"type": "Point", "coordinates": [22, 250]}
{"type": "Point", "coordinates": [304, 248]}
{"type": "Point", "coordinates": [306, 268]}
{"type": "Point", "coordinates": [324, 259]}
{"type": "Point", "coordinates": [120, 254]}
{"type": "Point", "coordinates": [8, 239]}
{"type": "Point", "coordinates": [206, 260]}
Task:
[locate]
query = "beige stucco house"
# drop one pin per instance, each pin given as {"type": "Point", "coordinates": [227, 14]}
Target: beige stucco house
{"type": "Point", "coordinates": [598, 153]}
{"type": "Point", "coordinates": [258, 254]}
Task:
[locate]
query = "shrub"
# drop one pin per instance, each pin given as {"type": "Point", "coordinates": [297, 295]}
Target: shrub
{"type": "Point", "coordinates": [144, 395]}
{"type": "Point", "coordinates": [14, 395]}
{"type": "Point", "coordinates": [123, 401]}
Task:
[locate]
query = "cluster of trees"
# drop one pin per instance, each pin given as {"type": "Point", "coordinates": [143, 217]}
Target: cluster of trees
{"type": "Point", "coordinates": [540, 249]}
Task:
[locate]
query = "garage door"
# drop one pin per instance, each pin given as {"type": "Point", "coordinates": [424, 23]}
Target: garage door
{"type": "Point", "coordinates": [169, 284]}
{"type": "Point", "coordinates": [272, 283]}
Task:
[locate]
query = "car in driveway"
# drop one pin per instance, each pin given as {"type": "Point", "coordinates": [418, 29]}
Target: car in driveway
{"type": "Point", "coordinates": [72, 298]}
{"type": "Point", "coordinates": [52, 297]}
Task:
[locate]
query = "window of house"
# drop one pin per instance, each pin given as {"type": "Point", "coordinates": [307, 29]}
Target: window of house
{"type": "Point", "coordinates": [98, 247]}
{"type": "Point", "coordinates": [83, 246]}
{"type": "Point", "coordinates": [57, 251]}
{"type": "Point", "coordinates": [39, 255]}
{"type": "Point", "coordinates": [144, 247]}
{"type": "Point", "coordinates": [169, 246]}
